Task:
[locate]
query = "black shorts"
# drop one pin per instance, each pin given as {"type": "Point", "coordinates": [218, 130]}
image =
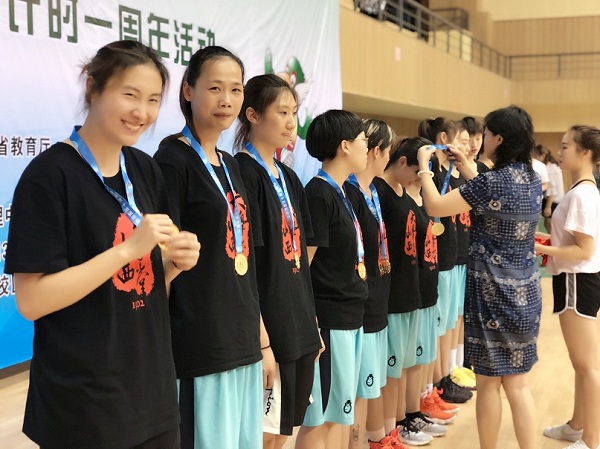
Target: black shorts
{"type": "Point", "coordinates": [577, 291]}
{"type": "Point", "coordinates": [285, 404]}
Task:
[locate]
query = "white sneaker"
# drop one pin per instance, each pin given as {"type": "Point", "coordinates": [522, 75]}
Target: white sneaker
{"type": "Point", "coordinates": [563, 432]}
{"type": "Point", "coordinates": [422, 423]}
{"type": "Point", "coordinates": [577, 445]}
{"type": "Point", "coordinates": [412, 436]}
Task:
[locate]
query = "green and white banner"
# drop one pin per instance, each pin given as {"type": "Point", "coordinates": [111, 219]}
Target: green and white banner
{"type": "Point", "coordinates": [44, 43]}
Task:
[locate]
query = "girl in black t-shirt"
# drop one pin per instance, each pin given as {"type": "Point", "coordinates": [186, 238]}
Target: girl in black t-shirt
{"type": "Point", "coordinates": [373, 365]}
{"type": "Point", "coordinates": [338, 272]}
{"type": "Point", "coordinates": [280, 226]}
{"type": "Point", "coordinates": [422, 399]}
{"type": "Point", "coordinates": [445, 132]}
{"type": "Point", "coordinates": [87, 216]}
{"type": "Point", "coordinates": [217, 329]}
{"type": "Point", "coordinates": [400, 216]}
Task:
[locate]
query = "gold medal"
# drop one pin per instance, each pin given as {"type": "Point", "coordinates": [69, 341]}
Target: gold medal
{"type": "Point", "coordinates": [241, 264]}
{"type": "Point", "coordinates": [297, 259]}
{"type": "Point", "coordinates": [437, 228]}
{"type": "Point", "coordinates": [174, 232]}
{"type": "Point", "coordinates": [384, 267]}
{"type": "Point", "coordinates": [362, 270]}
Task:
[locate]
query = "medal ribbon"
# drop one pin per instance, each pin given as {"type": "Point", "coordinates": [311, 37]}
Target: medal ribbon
{"type": "Point", "coordinates": [128, 205]}
{"type": "Point", "coordinates": [234, 212]}
{"type": "Point", "coordinates": [282, 193]}
{"type": "Point", "coordinates": [375, 207]}
{"type": "Point", "coordinates": [445, 185]}
{"type": "Point", "coordinates": [359, 242]}
{"type": "Point", "coordinates": [447, 178]}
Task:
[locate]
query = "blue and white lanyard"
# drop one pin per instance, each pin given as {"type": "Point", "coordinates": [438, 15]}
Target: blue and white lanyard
{"type": "Point", "coordinates": [375, 207]}
{"type": "Point", "coordinates": [128, 205]}
{"type": "Point", "coordinates": [282, 193]}
{"type": "Point", "coordinates": [234, 212]}
{"type": "Point", "coordinates": [359, 242]}
{"type": "Point", "coordinates": [447, 178]}
{"type": "Point", "coordinates": [445, 187]}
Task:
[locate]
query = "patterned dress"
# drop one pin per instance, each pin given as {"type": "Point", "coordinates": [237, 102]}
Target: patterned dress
{"type": "Point", "coordinates": [503, 295]}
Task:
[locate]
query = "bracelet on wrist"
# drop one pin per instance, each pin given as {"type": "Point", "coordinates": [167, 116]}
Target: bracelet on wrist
{"type": "Point", "coordinates": [428, 172]}
{"type": "Point", "coordinates": [266, 347]}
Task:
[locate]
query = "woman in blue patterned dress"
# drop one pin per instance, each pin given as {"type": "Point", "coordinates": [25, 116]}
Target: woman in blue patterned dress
{"type": "Point", "coordinates": [503, 295]}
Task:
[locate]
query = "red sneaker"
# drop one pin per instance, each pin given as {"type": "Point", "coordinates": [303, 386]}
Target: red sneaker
{"type": "Point", "coordinates": [388, 442]}
{"type": "Point", "coordinates": [433, 411]}
{"type": "Point", "coordinates": [395, 438]}
{"type": "Point", "coordinates": [447, 407]}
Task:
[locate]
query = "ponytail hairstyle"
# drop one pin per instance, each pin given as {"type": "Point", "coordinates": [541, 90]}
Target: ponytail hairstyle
{"type": "Point", "coordinates": [259, 93]}
{"type": "Point", "coordinates": [113, 59]}
{"type": "Point", "coordinates": [193, 72]}
{"type": "Point", "coordinates": [431, 128]}
{"type": "Point", "coordinates": [408, 148]}
{"type": "Point", "coordinates": [378, 133]}
{"type": "Point", "coordinates": [587, 138]}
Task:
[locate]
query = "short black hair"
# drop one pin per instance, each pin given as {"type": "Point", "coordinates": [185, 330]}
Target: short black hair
{"type": "Point", "coordinates": [329, 129]}
{"type": "Point", "coordinates": [515, 126]}
{"type": "Point", "coordinates": [472, 125]}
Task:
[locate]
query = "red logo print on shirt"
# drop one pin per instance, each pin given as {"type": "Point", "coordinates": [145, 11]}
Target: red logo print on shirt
{"type": "Point", "coordinates": [230, 238]}
{"type": "Point", "coordinates": [431, 248]}
{"type": "Point", "coordinates": [465, 219]}
{"type": "Point", "coordinates": [137, 275]}
{"type": "Point", "coordinates": [286, 238]}
{"type": "Point", "coordinates": [410, 237]}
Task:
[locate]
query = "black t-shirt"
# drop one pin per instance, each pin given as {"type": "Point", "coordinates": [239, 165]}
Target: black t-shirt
{"type": "Point", "coordinates": [447, 244]}
{"type": "Point", "coordinates": [463, 223]}
{"type": "Point", "coordinates": [427, 254]}
{"type": "Point", "coordinates": [400, 221]}
{"type": "Point", "coordinates": [482, 168]}
{"type": "Point", "coordinates": [376, 307]}
{"type": "Point", "coordinates": [340, 293]}
{"type": "Point", "coordinates": [102, 371]}
{"type": "Point", "coordinates": [215, 313]}
{"type": "Point", "coordinates": [286, 297]}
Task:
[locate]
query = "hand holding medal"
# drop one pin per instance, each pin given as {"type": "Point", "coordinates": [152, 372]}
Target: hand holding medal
{"type": "Point", "coordinates": [182, 249]}
{"type": "Point", "coordinates": [240, 262]}
{"type": "Point", "coordinates": [164, 245]}
{"type": "Point", "coordinates": [424, 155]}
